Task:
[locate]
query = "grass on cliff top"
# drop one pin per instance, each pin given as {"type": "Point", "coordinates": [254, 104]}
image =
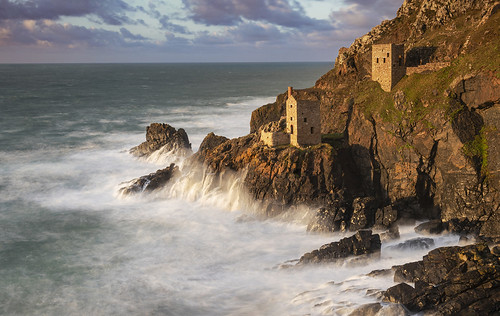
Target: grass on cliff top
{"type": "Point", "coordinates": [426, 92]}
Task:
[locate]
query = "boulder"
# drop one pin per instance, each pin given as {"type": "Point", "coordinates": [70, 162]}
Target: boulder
{"type": "Point", "coordinates": [361, 243]}
{"type": "Point", "coordinates": [329, 219]}
{"type": "Point", "coordinates": [414, 243]}
{"type": "Point", "coordinates": [450, 281]}
{"type": "Point", "coordinates": [432, 227]}
{"type": "Point", "coordinates": [363, 215]}
{"type": "Point", "coordinates": [152, 181]}
{"type": "Point", "coordinates": [391, 234]}
{"type": "Point", "coordinates": [164, 136]}
{"type": "Point", "coordinates": [367, 310]}
{"type": "Point", "coordinates": [386, 216]}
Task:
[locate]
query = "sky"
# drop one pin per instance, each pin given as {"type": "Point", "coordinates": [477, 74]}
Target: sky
{"type": "Point", "coordinates": [87, 31]}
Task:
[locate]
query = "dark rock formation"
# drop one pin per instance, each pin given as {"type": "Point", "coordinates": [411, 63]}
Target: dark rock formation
{"type": "Point", "coordinates": [450, 281]}
{"type": "Point", "coordinates": [363, 215]}
{"type": "Point", "coordinates": [391, 234]}
{"type": "Point", "coordinates": [361, 243]}
{"type": "Point", "coordinates": [152, 181]}
{"type": "Point", "coordinates": [415, 243]}
{"type": "Point", "coordinates": [431, 227]}
{"type": "Point", "coordinates": [278, 176]}
{"type": "Point", "coordinates": [210, 142]}
{"type": "Point", "coordinates": [386, 216]}
{"type": "Point", "coordinates": [331, 219]}
{"type": "Point", "coordinates": [162, 136]}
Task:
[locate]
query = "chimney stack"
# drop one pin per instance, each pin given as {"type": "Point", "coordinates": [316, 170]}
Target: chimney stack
{"type": "Point", "coordinates": [290, 89]}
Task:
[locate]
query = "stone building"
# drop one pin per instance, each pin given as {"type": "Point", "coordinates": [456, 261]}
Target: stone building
{"type": "Point", "coordinates": [388, 64]}
{"type": "Point", "coordinates": [303, 121]}
{"type": "Point", "coordinates": [274, 133]}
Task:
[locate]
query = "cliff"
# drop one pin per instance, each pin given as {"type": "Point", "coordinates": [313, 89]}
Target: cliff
{"type": "Point", "coordinates": [430, 146]}
{"type": "Point", "coordinates": [427, 149]}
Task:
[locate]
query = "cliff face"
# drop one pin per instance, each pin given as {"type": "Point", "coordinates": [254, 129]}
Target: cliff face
{"type": "Point", "coordinates": [431, 144]}
{"type": "Point", "coordinates": [279, 176]}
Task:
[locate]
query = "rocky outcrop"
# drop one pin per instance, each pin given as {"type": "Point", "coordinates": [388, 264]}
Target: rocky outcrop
{"type": "Point", "coordinates": [278, 176]}
{"type": "Point", "coordinates": [163, 136]}
{"type": "Point", "coordinates": [151, 182]}
{"type": "Point", "coordinates": [447, 171]}
{"type": "Point", "coordinates": [450, 281]}
{"type": "Point", "coordinates": [361, 243]}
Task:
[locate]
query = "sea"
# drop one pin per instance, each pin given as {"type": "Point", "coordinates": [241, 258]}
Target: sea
{"type": "Point", "coordinates": [71, 244]}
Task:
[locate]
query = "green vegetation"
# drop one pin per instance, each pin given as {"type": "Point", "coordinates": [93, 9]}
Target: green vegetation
{"type": "Point", "coordinates": [477, 149]}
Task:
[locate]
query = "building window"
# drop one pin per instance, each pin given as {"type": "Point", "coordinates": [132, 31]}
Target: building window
{"type": "Point", "coordinates": [305, 119]}
{"type": "Point", "coordinates": [387, 54]}
{"type": "Point", "coordinates": [377, 60]}
{"type": "Point", "coordinates": [312, 130]}
{"type": "Point", "coordinates": [400, 60]}
{"type": "Point", "coordinates": [291, 129]}
{"type": "Point", "coordinates": [291, 118]}
{"type": "Point", "coordinates": [384, 60]}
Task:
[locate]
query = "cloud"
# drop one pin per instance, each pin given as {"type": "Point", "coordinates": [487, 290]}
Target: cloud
{"type": "Point", "coordinates": [233, 12]}
{"type": "Point", "coordinates": [111, 12]}
{"type": "Point", "coordinates": [360, 15]}
{"type": "Point", "coordinates": [49, 33]}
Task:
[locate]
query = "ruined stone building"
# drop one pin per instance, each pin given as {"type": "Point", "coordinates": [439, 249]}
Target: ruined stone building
{"type": "Point", "coordinates": [388, 64]}
{"type": "Point", "coordinates": [303, 121]}
{"type": "Point", "coordinates": [301, 127]}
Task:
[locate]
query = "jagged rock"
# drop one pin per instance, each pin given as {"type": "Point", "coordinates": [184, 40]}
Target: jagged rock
{"type": "Point", "coordinates": [386, 216]}
{"type": "Point", "coordinates": [152, 181]}
{"type": "Point", "coordinates": [329, 219]}
{"type": "Point", "coordinates": [361, 243]}
{"type": "Point", "coordinates": [433, 227]}
{"type": "Point", "coordinates": [391, 234]}
{"type": "Point", "coordinates": [401, 293]}
{"type": "Point", "coordinates": [409, 272]}
{"type": "Point", "coordinates": [211, 141]}
{"type": "Point", "coordinates": [415, 243]}
{"type": "Point", "coordinates": [162, 136]}
{"type": "Point", "coordinates": [450, 281]}
{"type": "Point", "coordinates": [377, 273]}
{"type": "Point", "coordinates": [363, 215]}
{"type": "Point", "coordinates": [367, 310]}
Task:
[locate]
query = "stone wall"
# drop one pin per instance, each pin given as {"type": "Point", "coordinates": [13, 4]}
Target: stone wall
{"type": "Point", "coordinates": [273, 139]}
{"type": "Point", "coordinates": [429, 67]}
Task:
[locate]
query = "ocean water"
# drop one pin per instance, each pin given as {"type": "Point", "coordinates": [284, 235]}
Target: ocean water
{"type": "Point", "coordinates": [71, 245]}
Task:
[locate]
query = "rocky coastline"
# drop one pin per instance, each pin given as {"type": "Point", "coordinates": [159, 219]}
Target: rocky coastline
{"type": "Point", "coordinates": [428, 150]}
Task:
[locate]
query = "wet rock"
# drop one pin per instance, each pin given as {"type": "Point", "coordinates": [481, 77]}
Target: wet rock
{"type": "Point", "coordinates": [415, 243]}
{"type": "Point", "coordinates": [361, 243]}
{"type": "Point", "coordinates": [367, 310]}
{"type": "Point", "coordinates": [450, 281]}
{"type": "Point", "coordinates": [393, 310]}
{"type": "Point", "coordinates": [432, 227]}
{"type": "Point", "coordinates": [379, 273]}
{"type": "Point", "coordinates": [151, 182]}
{"type": "Point", "coordinates": [409, 272]}
{"type": "Point", "coordinates": [401, 293]}
{"type": "Point", "coordinates": [386, 216]}
{"type": "Point", "coordinates": [328, 219]}
{"type": "Point", "coordinates": [162, 136]}
{"type": "Point", "coordinates": [363, 215]}
{"type": "Point", "coordinates": [391, 234]}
